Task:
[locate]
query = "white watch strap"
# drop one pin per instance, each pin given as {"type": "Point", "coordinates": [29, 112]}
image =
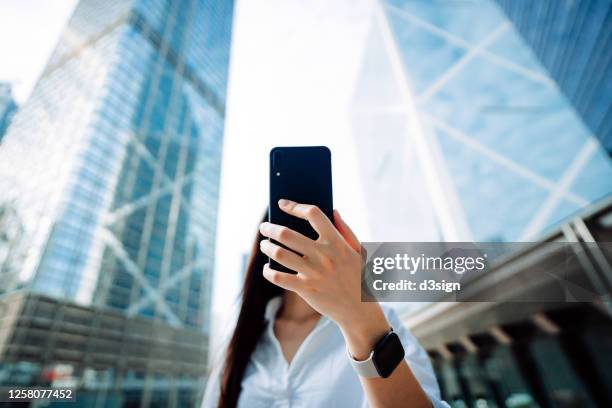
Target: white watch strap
{"type": "Point", "coordinates": [364, 368]}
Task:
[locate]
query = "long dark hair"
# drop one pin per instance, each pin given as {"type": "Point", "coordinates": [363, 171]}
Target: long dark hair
{"type": "Point", "coordinates": [256, 292]}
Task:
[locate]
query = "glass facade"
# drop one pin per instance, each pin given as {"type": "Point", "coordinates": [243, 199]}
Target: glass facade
{"type": "Point", "coordinates": [7, 107]}
{"type": "Point", "coordinates": [113, 164]}
{"type": "Point", "coordinates": [110, 179]}
{"type": "Point", "coordinates": [452, 111]}
{"type": "Point", "coordinates": [571, 40]}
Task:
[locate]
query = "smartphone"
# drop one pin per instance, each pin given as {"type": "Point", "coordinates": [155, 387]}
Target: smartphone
{"type": "Point", "coordinates": [301, 174]}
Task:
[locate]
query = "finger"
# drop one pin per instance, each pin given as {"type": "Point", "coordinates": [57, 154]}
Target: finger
{"type": "Point", "coordinates": [346, 232]}
{"type": "Point", "coordinates": [311, 213]}
{"type": "Point", "coordinates": [288, 237]}
{"type": "Point", "coordinates": [284, 280]}
{"type": "Point", "coordinates": [283, 256]}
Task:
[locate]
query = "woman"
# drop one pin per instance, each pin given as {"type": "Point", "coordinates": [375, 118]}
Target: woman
{"type": "Point", "coordinates": [297, 333]}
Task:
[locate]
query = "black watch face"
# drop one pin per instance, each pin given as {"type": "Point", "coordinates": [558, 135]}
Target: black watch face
{"type": "Point", "coordinates": [388, 354]}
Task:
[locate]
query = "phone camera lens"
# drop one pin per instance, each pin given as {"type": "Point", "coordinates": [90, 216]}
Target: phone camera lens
{"type": "Point", "coordinates": [277, 161]}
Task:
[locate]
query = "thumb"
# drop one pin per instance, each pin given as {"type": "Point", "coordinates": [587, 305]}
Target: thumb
{"type": "Point", "coordinates": [346, 232]}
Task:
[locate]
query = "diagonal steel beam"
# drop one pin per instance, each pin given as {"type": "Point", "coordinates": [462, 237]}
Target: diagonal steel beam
{"type": "Point", "coordinates": [474, 52]}
{"type": "Point", "coordinates": [447, 206]}
{"type": "Point", "coordinates": [538, 221]}
{"type": "Point", "coordinates": [466, 45]}
{"type": "Point", "coordinates": [502, 160]}
{"type": "Point", "coordinates": [117, 247]}
{"type": "Point", "coordinates": [143, 201]}
{"type": "Point", "coordinates": [173, 280]}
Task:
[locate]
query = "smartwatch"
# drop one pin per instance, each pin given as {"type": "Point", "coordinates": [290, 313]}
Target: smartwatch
{"type": "Point", "coordinates": [384, 358]}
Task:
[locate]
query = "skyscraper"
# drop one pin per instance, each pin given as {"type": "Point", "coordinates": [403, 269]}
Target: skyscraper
{"type": "Point", "coordinates": [7, 107]}
{"type": "Point", "coordinates": [111, 170]}
{"type": "Point", "coordinates": [476, 122]}
{"type": "Point", "coordinates": [463, 133]}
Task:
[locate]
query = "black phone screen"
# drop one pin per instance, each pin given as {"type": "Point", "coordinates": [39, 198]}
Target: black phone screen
{"type": "Point", "coordinates": [301, 174]}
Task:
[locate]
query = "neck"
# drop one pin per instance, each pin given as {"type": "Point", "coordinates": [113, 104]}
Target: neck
{"type": "Point", "coordinates": [296, 308]}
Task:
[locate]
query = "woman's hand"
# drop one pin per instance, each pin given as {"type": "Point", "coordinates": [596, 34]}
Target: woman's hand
{"type": "Point", "coordinates": [328, 274]}
{"type": "Point", "coordinates": [329, 279]}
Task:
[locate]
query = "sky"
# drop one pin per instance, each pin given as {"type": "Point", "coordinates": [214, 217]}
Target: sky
{"type": "Point", "coordinates": [29, 30]}
{"type": "Point", "coordinates": [293, 65]}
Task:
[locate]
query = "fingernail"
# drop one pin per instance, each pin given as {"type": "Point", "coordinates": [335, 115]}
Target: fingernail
{"type": "Point", "coordinates": [282, 202]}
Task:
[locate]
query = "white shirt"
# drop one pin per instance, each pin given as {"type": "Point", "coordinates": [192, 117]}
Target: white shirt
{"type": "Point", "coordinates": [320, 373]}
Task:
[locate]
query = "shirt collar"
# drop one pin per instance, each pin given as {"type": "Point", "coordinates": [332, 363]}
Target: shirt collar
{"type": "Point", "coordinates": [272, 308]}
{"type": "Point", "coordinates": [274, 305]}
